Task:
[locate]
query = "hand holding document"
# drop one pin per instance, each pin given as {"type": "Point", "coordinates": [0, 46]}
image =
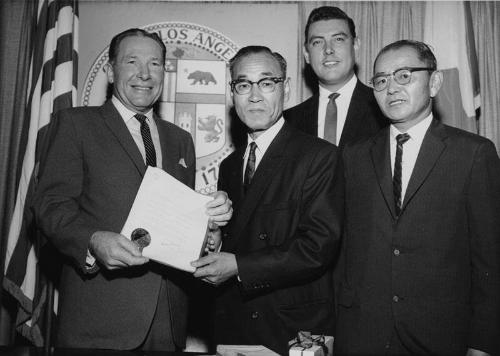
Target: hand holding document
{"type": "Point", "coordinates": [168, 220]}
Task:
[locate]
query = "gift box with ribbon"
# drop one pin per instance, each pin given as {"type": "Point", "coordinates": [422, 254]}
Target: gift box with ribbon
{"type": "Point", "coordinates": [305, 344]}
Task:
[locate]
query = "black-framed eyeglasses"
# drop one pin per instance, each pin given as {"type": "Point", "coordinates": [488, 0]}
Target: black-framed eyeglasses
{"type": "Point", "coordinates": [402, 76]}
{"type": "Point", "coordinates": [265, 85]}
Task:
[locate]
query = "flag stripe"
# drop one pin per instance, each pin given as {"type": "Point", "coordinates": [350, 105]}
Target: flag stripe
{"type": "Point", "coordinates": [52, 86]}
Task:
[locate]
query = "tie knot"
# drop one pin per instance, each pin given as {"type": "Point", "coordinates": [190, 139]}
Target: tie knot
{"type": "Point", "coordinates": [402, 138]}
{"type": "Point", "coordinates": [141, 118]}
{"type": "Point", "coordinates": [333, 96]}
{"type": "Point", "coordinates": [253, 146]}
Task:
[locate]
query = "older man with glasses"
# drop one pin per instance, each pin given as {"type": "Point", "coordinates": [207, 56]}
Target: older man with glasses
{"type": "Point", "coordinates": [274, 271]}
{"type": "Point", "coordinates": [422, 238]}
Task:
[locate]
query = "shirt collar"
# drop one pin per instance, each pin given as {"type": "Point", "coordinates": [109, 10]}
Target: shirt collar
{"type": "Point", "coordinates": [264, 140]}
{"type": "Point", "coordinates": [345, 91]}
{"type": "Point", "coordinates": [416, 132]}
{"type": "Point", "coordinates": [126, 113]}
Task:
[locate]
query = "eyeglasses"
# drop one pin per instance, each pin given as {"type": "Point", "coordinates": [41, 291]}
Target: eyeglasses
{"type": "Point", "coordinates": [402, 76]}
{"type": "Point", "coordinates": [244, 86]}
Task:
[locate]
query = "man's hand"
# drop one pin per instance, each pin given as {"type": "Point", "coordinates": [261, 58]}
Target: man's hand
{"type": "Point", "coordinates": [115, 251]}
{"type": "Point", "coordinates": [219, 210]}
{"type": "Point", "coordinates": [216, 268]}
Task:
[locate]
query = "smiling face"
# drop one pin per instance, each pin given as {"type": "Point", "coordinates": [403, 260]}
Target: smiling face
{"type": "Point", "coordinates": [137, 73]}
{"type": "Point", "coordinates": [331, 52]}
{"type": "Point", "coordinates": [406, 105]}
{"type": "Point", "coordinates": [259, 111]}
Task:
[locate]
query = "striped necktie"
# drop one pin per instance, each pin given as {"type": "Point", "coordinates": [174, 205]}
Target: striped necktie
{"type": "Point", "coordinates": [148, 141]}
{"type": "Point", "coordinates": [396, 179]}
{"type": "Point", "coordinates": [250, 168]}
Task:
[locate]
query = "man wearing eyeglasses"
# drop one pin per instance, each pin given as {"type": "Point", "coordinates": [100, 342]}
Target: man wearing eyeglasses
{"type": "Point", "coordinates": [286, 187]}
{"type": "Point", "coordinates": [422, 240]}
{"type": "Point", "coordinates": [343, 109]}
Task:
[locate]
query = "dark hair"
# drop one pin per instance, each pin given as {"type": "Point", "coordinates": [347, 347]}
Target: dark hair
{"type": "Point", "coordinates": [248, 50]}
{"type": "Point", "coordinates": [423, 50]}
{"type": "Point", "coordinates": [329, 13]}
{"type": "Point", "coordinates": [134, 32]}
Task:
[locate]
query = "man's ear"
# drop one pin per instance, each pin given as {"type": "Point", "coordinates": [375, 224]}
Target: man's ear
{"type": "Point", "coordinates": [108, 68]}
{"type": "Point", "coordinates": [356, 45]}
{"type": "Point", "coordinates": [435, 82]}
{"type": "Point", "coordinates": [306, 54]}
{"type": "Point", "coordinates": [286, 89]}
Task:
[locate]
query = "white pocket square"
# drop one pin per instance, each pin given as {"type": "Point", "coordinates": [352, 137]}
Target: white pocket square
{"type": "Point", "coordinates": [182, 163]}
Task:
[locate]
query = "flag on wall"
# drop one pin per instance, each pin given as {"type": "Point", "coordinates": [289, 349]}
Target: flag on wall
{"type": "Point", "coordinates": [448, 29]}
{"type": "Point", "coordinates": [52, 86]}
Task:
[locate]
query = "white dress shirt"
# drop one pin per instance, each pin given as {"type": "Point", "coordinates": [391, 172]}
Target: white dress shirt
{"type": "Point", "coordinates": [134, 127]}
{"type": "Point", "coordinates": [342, 102]}
{"type": "Point", "coordinates": [411, 148]}
{"type": "Point", "coordinates": [263, 142]}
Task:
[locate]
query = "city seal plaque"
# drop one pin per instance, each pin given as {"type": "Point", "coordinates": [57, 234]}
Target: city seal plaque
{"type": "Point", "coordinates": [195, 94]}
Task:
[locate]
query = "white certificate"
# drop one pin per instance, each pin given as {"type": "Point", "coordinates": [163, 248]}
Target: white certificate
{"type": "Point", "coordinates": [173, 216]}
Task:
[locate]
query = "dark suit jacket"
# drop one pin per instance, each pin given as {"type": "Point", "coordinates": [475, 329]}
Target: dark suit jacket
{"type": "Point", "coordinates": [90, 178]}
{"type": "Point", "coordinates": [285, 233]}
{"type": "Point", "coordinates": [364, 118]}
{"type": "Point", "coordinates": [433, 275]}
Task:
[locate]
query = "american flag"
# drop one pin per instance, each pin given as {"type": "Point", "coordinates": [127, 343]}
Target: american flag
{"type": "Point", "coordinates": [52, 86]}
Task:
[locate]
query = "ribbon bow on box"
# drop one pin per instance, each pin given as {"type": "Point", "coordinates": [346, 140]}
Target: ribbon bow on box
{"type": "Point", "coordinates": [305, 340]}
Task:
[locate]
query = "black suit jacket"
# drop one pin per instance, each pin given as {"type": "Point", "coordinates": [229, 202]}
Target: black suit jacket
{"type": "Point", "coordinates": [433, 274]}
{"type": "Point", "coordinates": [285, 234]}
{"type": "Point", "coordinates": [364, 118]}
{"type": "Point", "coordinates": [91, 175]}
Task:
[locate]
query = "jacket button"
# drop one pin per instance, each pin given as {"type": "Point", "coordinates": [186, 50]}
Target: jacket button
{"type": "Point", "coordinates": [263, 236]}
{"type": "Point", "coordinates": [396, 252]}
{"type": "Point", "coordinates": [395, 299]}
{"type": "Point", "coordinates": [255, 315]}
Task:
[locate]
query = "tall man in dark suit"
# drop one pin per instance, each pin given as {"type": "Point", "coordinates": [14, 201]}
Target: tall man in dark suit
{"type": "Point", "coordinates": [422, 229]}
{"type": "Point", "coordinates": [286, 189]}
{"type": "Point", "coordinates": [330, 49]}
{"type": "Point", "coordinates": [110, 296]}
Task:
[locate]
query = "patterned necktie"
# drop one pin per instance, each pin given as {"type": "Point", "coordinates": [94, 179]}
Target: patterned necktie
{"type": "Point", "coordinates": [148, 141]}
{"type": "Point", "coordinates": [250, 168]}
{"type": "Point", "coordinates": [396, 179]}
{"type": "Point", "coordinates": [331, 119]}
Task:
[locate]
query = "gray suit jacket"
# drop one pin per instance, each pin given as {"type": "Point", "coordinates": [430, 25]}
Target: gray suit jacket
{"type": "Point", "coordinates": [90, 177]}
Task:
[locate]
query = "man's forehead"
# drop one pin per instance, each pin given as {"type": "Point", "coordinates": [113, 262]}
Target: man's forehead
{"type": "Point", "coordinates": [330, 26]}
{"type": "Point", "coordinates": [397, 58]}
{"type": "Point", "coordinates": [139, 44]}
{"type": "Point", "coordinates": [258, 64]}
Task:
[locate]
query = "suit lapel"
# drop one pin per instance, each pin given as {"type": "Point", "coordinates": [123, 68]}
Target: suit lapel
{"type": "Point", "coordinates": [357, 108]}
{"type": "Point", "coordinates": [169, 156]}
{"type": "Point", "coordinates": [430, 151]}
{"type": "Point", "coordinates": [119, 129]}
{"type": "Point", "coordinates": [381, 159]}
{"type": "Point", "coordinates": [270, 163]}
{"type": "Point", "coordinates": [312, 115]}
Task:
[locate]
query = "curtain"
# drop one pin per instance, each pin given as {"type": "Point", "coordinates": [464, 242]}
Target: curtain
{"type": "Point", "coordinates": [377, 24]}
{"type": "Point", "coordinates": [16, 20]}
{"type": "Point", "coordinates": [486, 23]}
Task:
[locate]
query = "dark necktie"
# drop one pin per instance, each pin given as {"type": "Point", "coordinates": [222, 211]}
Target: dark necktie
{"type": "Point", "coordinates": [250, 168]}
{"type": "Point", "coordinates": [148, 141]}
{"type": "Point", "coordinates": [396, 179]}
{"type": "Point", "coordinates": [331, 119]}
